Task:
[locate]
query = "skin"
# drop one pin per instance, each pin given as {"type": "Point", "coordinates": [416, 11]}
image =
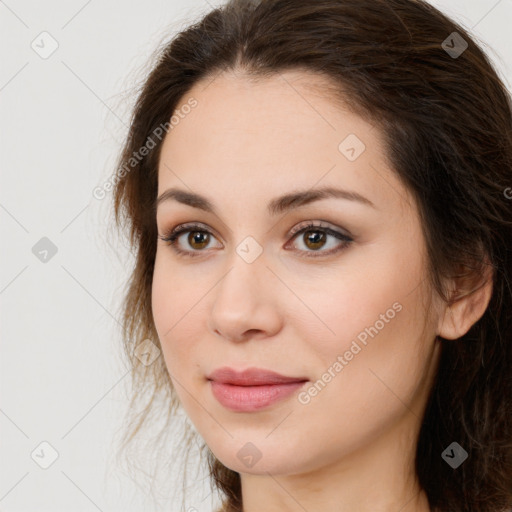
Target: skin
{"type": "Point", "coordinates": [352, 446]}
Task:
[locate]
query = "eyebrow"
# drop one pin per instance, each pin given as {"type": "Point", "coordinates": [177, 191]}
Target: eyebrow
{"type": "Point", "coordinates": [276, 206]}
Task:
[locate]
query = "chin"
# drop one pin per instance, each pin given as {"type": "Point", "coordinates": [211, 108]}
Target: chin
{"type": "Point", "coordinates": [260, 458]}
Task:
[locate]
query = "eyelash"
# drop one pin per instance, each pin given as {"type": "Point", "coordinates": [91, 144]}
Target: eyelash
{"type": "Point", "coordinates": [172, 236]}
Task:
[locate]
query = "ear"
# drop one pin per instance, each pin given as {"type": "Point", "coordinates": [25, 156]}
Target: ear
{"type": "Point", "coordinates": [470, 295]}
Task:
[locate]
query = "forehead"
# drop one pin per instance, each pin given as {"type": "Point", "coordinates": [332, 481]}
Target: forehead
{"type": "Point", "coordinates": [263, 136]}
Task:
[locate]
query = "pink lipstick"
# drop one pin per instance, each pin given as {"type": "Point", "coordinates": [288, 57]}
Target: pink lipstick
{"type": "Point", "coordinates": [251, 389]}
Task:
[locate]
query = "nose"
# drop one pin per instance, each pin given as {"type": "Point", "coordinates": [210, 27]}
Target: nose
{"type": "Point", "coordinates": [245, 303]}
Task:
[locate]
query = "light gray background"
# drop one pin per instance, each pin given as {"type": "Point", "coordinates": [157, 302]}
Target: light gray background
{"type": "Point", "coordinates": [62, 121]}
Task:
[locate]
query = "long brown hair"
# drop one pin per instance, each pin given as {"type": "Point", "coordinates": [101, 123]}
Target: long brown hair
{"type": "Point", "coordinates": [447, 122]}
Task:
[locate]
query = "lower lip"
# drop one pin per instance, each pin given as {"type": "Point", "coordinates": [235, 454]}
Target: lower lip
{"type": "Point", "coordinates": [251, 398]}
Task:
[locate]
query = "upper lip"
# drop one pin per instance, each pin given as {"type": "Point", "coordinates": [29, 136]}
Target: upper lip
{"type": "Point", "coordinates": [250, 377]}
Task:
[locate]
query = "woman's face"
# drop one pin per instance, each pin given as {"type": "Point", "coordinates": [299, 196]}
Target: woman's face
{"type": "Point", "coordinates": [341, 307]}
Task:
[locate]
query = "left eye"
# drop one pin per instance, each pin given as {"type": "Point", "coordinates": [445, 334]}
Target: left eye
{"type": "Point", "coordinates": [314, 238]}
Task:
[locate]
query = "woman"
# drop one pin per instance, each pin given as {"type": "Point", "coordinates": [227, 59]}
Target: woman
{"type": "Point", "coordinates": [322, 235]}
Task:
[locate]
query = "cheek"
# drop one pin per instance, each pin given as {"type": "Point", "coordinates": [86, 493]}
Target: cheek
{"type": "Point", "coordinates": [177, 311]}
{"type": "Point", "coordinates": [162, 298]}
{"type": "Point", "coordinates": [380, 294]}
{"type": "Point", "coordinates": [374, 371]}
{"type": "Point", "coordinates": [179, 315]}
{"type": "Point", "coordinates": [169, 300]}
{"type": "Point", "coordinates": [376, 321]}
{"type": "Point", "coordinates": [171, 294]}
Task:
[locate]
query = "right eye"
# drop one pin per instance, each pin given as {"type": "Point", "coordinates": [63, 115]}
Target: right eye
{"type": "Point", "coordinates": [198, 238]}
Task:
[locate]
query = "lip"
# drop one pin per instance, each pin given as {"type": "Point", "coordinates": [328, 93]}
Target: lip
{"type": "Point", "coordinates": [251, 377]}
{"type": "Point", "coordinates": [252, 389]}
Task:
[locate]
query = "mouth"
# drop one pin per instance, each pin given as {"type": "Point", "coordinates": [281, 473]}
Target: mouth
{"type": "Point", "coordinates": [252, 389]}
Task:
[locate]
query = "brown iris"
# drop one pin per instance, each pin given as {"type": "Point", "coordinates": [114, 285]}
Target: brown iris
{"type": "Point", "coordinates": [316, 239]}
{"type": "Point", "coordinates": [313, 239]}
{"type": "Point", "coordinates": [196, 236]}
